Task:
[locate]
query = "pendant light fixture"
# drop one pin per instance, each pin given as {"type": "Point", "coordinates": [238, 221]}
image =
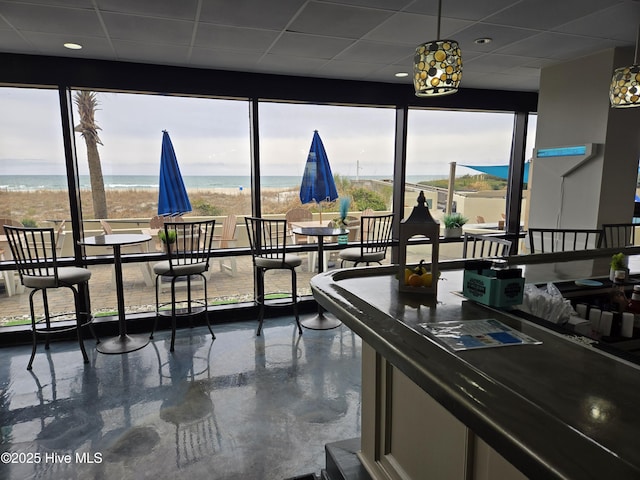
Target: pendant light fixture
{"type": "Point", "coordinates": [437, 66]}
{"type": "Point", "coordinates": [625, 84]}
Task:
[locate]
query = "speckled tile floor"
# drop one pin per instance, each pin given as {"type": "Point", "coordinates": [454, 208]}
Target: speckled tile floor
{"type": "Point", "coordinates": [239, 407]}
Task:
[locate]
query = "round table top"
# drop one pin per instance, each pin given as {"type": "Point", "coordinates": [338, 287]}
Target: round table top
{"type": "Point", "coordinates": [116, 239]}
{"type": "Point", "coordinates": [320, 231]}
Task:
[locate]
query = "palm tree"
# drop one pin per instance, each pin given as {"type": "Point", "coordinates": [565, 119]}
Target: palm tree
{"type": "Point", "coordinates": [87, 103]}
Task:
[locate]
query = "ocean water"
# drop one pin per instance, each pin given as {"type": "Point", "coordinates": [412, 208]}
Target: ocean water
{"type": "Point", "coordinates": [114, 182]}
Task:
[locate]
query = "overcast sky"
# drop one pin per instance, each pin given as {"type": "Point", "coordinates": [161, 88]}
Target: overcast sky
{"type": "Point", "coordinates": [211, 137]}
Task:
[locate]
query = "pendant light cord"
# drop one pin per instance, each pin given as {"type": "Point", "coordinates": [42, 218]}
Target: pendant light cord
{"type": "Point", "coordinates": [440, 14]}
{"type": "Point", "coordinates": [635, 58]}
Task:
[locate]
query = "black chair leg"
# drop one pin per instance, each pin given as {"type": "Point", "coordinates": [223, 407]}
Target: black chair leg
{"type": "Point", "coordinates": [155, 322]}
{"type": "Point", "coordinates": [260, 300]}
{"type": "Point", "coordinates": [173, 313]}
{"type": "Point", "coordinates": [294, 297]}
{"type": "Point", "coordinates": [34, 334]}
{"type": "Point", "coordinates": [206, 303]}
{"type": "Point", "coordinates": [85, 358]}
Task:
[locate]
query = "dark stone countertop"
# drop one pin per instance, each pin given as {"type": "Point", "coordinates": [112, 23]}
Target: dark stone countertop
{"type": "Point", "coordinates": [561, 409]}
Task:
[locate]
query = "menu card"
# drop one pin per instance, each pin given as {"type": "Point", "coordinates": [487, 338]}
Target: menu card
{"type": "Point", "coordinates": [472, 334]}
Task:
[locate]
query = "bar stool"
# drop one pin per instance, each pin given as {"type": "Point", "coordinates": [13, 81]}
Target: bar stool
{"type": "Point", "coordinates": [268, 239]}
{"type": "Point", "coordinates": [188, 247]}
{"type": "Point", "coordinates": [38, 269]}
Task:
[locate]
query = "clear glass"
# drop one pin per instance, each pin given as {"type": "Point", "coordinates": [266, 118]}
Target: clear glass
{"type": "Point", "coordinates": [359, 142]}
{"type": "Point", "coordinates": [436, 139]}
{"type": "Point", "coordinates": [210, 138]}
{"type": "Point", "coordinates": [33, 182]}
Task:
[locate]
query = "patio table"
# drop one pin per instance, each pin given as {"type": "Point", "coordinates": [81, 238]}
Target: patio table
{"type": "Point", "coordinates": [123, 343]}
{"type": "Point", "coordinates": [323, 320]}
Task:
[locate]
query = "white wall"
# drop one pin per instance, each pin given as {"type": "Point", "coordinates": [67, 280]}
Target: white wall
{"type": "Point", "coordinates": [573, 109]}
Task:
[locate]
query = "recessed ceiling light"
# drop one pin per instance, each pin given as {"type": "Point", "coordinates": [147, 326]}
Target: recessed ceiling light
{"type": "Point", "coordinates": [402, 74]}
{"type": "Point", "coordinates": [72, 46]}
{"type": "Point", "coordinates": [482, 41]}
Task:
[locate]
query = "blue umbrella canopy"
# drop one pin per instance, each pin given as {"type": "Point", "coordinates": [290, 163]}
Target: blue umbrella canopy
{"type": "Point", "coordinates": [317, 181]}
{"type": "Point", "coordinates": [172, 195]}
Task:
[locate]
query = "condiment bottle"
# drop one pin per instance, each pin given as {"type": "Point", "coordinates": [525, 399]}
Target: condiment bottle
{"type": "Point", "coordinates": [617, 298]}
{"type": "Point", "coordinates": [634, 305]}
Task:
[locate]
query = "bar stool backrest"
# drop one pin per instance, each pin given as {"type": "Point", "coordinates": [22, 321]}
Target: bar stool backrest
{"type": "Point", "coordinates": [375, 233]}
{"type": "Point", "coordinates": [267, 238]}
{"type": "Point", "coordinates": [478, 245]}
{"type": "Point", "coordinates": [32, 252]}
{"type": "Point", "coordinates": [618, 234]}
{"type": "Point", "coordinates": [547, 240]}
{"type": "Point", "coordinates": [192, 244]}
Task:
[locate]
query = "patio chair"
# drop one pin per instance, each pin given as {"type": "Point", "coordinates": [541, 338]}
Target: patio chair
{"type": "Point", "coordinates": [227, 239]}
{"type": "Point", "coordinates": [478, 245]}
{"type": "Point", "coordinates": [38, 269]}
{"type": "Point", "coordinates": [375, 236]}
{"type": "Point", "coordinates": [618, 234]}
{"type": "Point", "coordinates": [9, 221]}
{"type": "Point", "coordinates": [268, 241]}
{"type": "Point", "coordinates": [298, 214]}
{"type": "Point", "coordinates": [548, 240]}
{"type": "Point", "coordinates": [187, 257]}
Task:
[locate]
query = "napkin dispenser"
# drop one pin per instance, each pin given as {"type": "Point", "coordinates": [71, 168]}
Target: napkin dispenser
{"type": "Point", "coordinates": [495, 288]}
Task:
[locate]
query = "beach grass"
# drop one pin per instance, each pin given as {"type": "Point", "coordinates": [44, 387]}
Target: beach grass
{"type": "Point", "coordinates": [42, 205]}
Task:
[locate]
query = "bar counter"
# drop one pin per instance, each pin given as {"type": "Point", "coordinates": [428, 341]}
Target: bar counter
{"type": "Point", "coordinates": [561, 409]}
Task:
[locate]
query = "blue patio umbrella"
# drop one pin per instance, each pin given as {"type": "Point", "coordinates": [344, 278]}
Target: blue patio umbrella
{"type": "Point", "coordinates": [317, 181]}
{"type": "Point", "coordinates": [172, 195]}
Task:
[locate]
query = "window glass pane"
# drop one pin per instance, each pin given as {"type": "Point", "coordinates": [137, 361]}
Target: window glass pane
{"type": "Point", "coordinates": [436, 139]}
{"type": "Point", "coordinates": [33, 182]}
{"type": "Point", "coordinates": [210, 138]}
{"type": "Point", "coordinates": [359, 143]}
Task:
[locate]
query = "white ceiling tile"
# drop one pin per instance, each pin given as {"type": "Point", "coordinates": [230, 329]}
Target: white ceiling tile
{"type": "Point", "coordinates": [180, 9]}
{"type": "Point", "coordinates": [234, 38]}
{"type": "Point", "coordinates": [144, 29]}
{"type": "Point", "coordinates": [272, 15]}
{"type": "Point", "coordinates": [38, 18]}
{"type": "Point", "coordinates": [376, 53]}
{"type": "Point", "coordinates": [302, 45]}
{"type": "Point", "coordinates": [413, 29]}
{"type": "Point", "coordinates": [337, 20]}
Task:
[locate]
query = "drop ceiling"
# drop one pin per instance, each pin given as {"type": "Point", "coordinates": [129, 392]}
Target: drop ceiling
{"type": "Point", "coordinates": [345, 39]}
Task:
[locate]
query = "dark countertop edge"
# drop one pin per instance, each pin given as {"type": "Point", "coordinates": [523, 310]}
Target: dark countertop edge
{"type": "Point", "coordinates": [405, 349]}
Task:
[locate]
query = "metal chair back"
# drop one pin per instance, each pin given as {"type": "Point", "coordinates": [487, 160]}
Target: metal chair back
{"type": "Point", "coordinates": [478, 245]}
{"type": "Point", "coordinates": [32, 252]}
{"type": "Point", "coordinates": [375, 233]}
{"type": "Point", "coordinates": [192, 242]}
{"type": "Point", "coordinates": [267, 238]}
{"type": "Point", "coordinates": [618, 234]}
{"type": "Point", "coordinates": [548, 240]}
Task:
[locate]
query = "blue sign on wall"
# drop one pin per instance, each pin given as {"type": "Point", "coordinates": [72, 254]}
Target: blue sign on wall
{"type": "Point", "coordinates": [562, 151]}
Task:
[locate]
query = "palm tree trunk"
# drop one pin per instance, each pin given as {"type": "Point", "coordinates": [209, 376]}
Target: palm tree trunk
{"type": "Point", "coordinates": [98, 194]}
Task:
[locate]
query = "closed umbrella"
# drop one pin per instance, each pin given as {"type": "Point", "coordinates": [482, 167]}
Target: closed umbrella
{"type": "Point", "coordinates": [317, 181]}
{"type": "Point", "coordinates": [172, 195]}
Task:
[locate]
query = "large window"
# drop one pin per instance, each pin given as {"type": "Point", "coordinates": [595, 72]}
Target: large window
{"type": "Point", "coordinates": [359, 143]}
{"type": "Point", "coordinates": [210, 138]}
{"type": "Point", "coordinates": [438, 138]}
{"type": "Point", "coordinates": [33, 180]}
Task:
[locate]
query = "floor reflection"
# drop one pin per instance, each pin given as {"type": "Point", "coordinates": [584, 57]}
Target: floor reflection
{"type": "Point", "coordinates": [238, 407]}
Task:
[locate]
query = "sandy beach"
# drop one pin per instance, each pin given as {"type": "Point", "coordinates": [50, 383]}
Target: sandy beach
{"type": "Point", "coordinates": [136, 203]}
